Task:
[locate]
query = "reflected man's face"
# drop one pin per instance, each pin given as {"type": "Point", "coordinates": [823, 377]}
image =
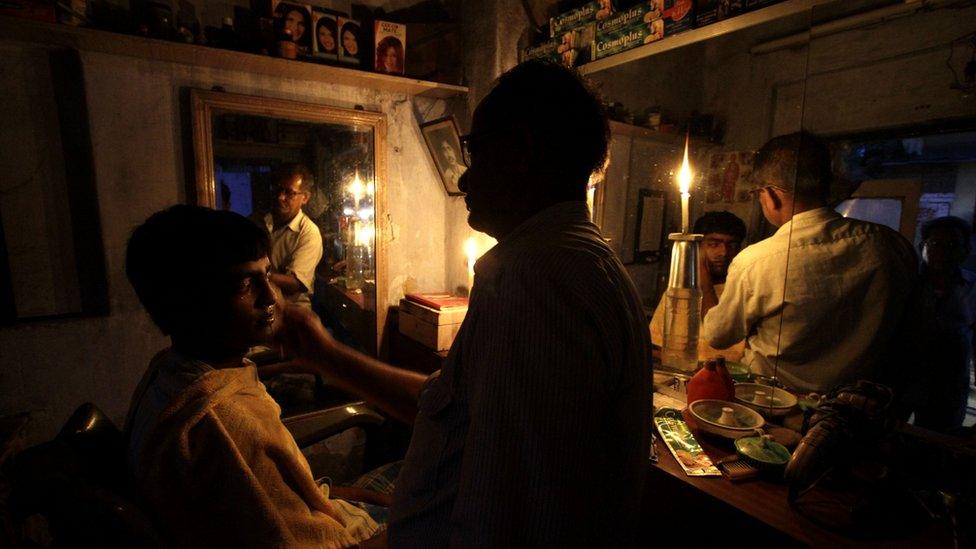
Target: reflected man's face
{"type": "Point", "coordinates": [289, 196]}
{"type": "Point", "coordinates": [718, 250]}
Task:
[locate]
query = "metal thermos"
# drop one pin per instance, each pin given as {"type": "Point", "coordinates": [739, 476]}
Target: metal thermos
{"type": "Point", "coordinates": [682, 305]}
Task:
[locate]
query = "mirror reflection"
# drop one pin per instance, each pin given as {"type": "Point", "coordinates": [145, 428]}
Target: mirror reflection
{"type": "Point", "coordinates": [311, 185]}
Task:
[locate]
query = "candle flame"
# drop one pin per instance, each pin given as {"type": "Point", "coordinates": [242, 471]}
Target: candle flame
{"type": "Point", "coordinates": [356, 188]}
{"type": "Point", "coordinates": [684, 174]}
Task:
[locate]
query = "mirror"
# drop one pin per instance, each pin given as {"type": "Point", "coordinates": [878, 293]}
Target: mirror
{"type": "Point", "coordinates": [243, 145]}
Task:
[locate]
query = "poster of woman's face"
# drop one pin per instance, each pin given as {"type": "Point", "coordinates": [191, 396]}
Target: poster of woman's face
{"type": "Point", "coordinates": [444, 144]}
{"type": "Point", "coordinates": [297, 20]}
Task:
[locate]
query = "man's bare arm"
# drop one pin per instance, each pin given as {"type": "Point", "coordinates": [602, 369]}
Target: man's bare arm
{"type": "Point", "coordinates": [288, 283]}
{"type": "Point", "coordinates": [393, 390]}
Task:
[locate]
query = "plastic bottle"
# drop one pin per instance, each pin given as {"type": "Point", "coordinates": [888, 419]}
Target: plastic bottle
{"type": "Point", "coordinates": [709, 383]}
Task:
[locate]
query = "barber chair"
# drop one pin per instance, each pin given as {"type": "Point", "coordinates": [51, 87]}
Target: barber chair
{"type": "Point", "coordinates": [78, 480]}
{"type": "Point", "coordinates": [78, 483]}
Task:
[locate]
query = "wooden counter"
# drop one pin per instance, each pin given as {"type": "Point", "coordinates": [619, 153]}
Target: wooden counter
{"type": "Point", "coordinates": [701, 510]}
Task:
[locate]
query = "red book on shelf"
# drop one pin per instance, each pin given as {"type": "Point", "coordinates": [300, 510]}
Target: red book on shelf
{"type": "Point", "coordinates": [438, 301]}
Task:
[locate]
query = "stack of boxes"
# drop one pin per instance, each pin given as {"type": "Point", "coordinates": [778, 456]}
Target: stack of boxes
{"type": "Point", "coordinates": [642, 24]}
{"type": "Point", "coordinates": [595, 30]}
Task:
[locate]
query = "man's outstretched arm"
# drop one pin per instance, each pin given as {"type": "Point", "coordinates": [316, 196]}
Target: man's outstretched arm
{"type": "Point", "coordinates": [393, 390]}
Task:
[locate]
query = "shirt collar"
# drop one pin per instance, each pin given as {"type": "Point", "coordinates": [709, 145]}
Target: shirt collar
{"type": "Point", "coordinates": [815, 216]}
{"type": "Point", "coordinates": [563, 213]}
{"type": "Point", "coordinates": [292, 225]}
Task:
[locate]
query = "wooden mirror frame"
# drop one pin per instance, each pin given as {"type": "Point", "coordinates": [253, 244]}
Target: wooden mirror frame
{"type": "Point", "coordinates": [204, 104]}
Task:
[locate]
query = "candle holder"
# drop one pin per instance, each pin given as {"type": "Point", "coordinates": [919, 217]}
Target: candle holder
{"type": "Point", "coordinates": [682, 305]}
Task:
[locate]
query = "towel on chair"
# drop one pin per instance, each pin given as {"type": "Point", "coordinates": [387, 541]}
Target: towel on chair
{"type": "Point", "coordinates": [219, 468]}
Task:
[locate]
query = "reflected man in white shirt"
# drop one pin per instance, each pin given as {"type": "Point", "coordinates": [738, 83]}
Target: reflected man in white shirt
{"type": "Point", "coordinates": [821, 301]}
{"type": "Point", "coordinates": [296, 243]}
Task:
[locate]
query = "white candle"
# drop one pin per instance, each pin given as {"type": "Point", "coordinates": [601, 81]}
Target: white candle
{"type": "Point", "coordinates": [684, 185]}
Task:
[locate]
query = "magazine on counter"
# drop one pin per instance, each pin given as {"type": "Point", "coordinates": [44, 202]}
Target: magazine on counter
{"type": "Point", "coordinates": [685, 449]}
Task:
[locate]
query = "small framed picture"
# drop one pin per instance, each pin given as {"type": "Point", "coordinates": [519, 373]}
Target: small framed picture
{"type": "Point", "coordinates": [444, 144]}
{"type": "Point", "coordinates": [650, 225]}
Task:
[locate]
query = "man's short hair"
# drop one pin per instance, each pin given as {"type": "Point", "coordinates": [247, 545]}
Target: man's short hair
{"type": "Point", "coordinates": [178, 258]}
{"type": "Point", "coordinates": [960, 226]}
{"type": "Point", "coordinates": [290, 169]}
{"type": "Point", "coordinates": [798, 163]}
{"type": "Point", "coordinates": [564, 117]}
{"type": "Point", "coordinates": [721, 222]}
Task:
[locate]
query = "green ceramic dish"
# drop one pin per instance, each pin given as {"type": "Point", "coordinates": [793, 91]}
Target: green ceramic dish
{"type": "Point", "coordinates": [739, 371]}
{"type": "Point", "coordinates": [763, 452]}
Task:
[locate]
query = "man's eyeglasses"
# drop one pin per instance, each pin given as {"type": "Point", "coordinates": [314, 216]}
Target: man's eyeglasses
{"type": "Point", "coordinates": [471, 140]}
{"type": "Point", "coordinates": [278, 191]}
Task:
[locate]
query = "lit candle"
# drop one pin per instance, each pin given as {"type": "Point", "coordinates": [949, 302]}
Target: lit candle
{"type": "Point", "coordinates": [471, 251]}
{"type": "Point", "coordinates": [684, 185]}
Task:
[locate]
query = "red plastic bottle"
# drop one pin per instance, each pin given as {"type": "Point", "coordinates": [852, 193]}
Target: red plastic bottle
{"type": "Point", "coordinates": [710, 383]}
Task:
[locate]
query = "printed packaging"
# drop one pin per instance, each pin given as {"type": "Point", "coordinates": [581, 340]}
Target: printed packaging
{"type": "Point", "coordinates": [713, 11]}
{"type": "Point", "coordinates": [326, 37]}
{"type": "Point", "coordinates": [572, 19]}
{"type": "Point", "coordinates": [390, 41]}
{"type": "Point", "coordinates": [609, 43]}
{"type": "Point", "coordinates": [350, 41]}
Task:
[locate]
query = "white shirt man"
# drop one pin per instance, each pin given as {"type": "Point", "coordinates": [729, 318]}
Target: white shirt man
{"type": "Point", "coordinates": [296, 243]}
{"type": "Point", "coordinates": [821, 300]}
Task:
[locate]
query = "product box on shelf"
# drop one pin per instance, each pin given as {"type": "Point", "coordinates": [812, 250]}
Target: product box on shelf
{"type": "Point", "coordinates": [390, 45]}
{"type": "Point", "coordinates": [678, 16]}
{"type": "Point", "coordinates": [571, 48]}
{"type": "Point", "coordinates": [609, 43]}
{"type": "Point", "coordinates": [588, 13]}
{"type": "Point", "coordinates": [713, 11]}
{"type": "Point", "coordinates": [350, 41]}
{"type": "Point", "coordinates": [644, 12]}
{"type": "Point", "coordinates": [295, 19]}
{"type": "Point", "coordinates": [326, 43]}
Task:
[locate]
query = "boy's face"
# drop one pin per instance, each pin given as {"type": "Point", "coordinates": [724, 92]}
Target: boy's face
{"type": "Point", "coordinates": [243, 313]}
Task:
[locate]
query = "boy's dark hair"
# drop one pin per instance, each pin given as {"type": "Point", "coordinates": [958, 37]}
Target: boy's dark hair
{"type": "Point", "coordinates": [178, 260]}
{"type": "Point", "coordinates": [564, 117]}
{"type": "Point", "coordinates": [721, 222]}
{"type": "Point", "coordinates": [799, 163]}
{"type": "Point", "coordinates": [951, 222]}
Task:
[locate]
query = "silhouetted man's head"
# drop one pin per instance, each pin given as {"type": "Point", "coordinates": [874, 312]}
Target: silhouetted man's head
{"type": "Point", "coordinates": [723, 235]}
{"type": "Point", "coordinates": [535, 140]}
{"type": "Point", "coordinates": [202, 276]}
{"type": "Point", "coordinates": [945, 243]}
{"type": "Point", "coordinates": [792, 174]}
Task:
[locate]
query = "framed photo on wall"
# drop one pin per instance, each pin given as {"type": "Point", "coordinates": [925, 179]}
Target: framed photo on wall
{"type": "Point", "coordinates": [650, 225]}
{"type": "Point", "coordinates": [444, 144]}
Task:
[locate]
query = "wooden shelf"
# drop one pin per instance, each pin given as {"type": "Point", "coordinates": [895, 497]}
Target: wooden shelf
{"type": "Point", "coordinates": [640, 132]}
{"type": "Point", "coordinates": [734, 24]}
{"type": "Point", "coordinates": [202, 56]}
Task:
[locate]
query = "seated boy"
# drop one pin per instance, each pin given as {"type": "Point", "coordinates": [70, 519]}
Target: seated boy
{"type": "Point", "coordinates": [206, 448]}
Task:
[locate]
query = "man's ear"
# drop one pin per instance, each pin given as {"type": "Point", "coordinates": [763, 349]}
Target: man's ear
{"type": "Point", "coordinates": [775, 197]}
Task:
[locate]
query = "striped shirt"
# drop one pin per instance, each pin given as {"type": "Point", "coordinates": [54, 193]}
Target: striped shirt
{"type": "Point", "coordinates": [536, 432]}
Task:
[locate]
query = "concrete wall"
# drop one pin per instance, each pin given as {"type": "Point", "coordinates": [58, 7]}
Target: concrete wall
{"type": "Point", "coordinates": [49, 368]}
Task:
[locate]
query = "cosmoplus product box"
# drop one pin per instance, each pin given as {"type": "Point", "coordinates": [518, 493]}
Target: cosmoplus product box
{"type": "Point", "coordinates": [678, 16]}
{"type": "Point", "coordinates": [350, 41]}
{"type": "Point", "coordinates": [645, 12]}
{"type": "Point", "coordinates": [326, 35]}
{"type": "Point", "coordinates": [588, 13]}
{"type": "Point", "coordinates": [609, 43]}
{"type": "Point", "coordinates": [390, 47]}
